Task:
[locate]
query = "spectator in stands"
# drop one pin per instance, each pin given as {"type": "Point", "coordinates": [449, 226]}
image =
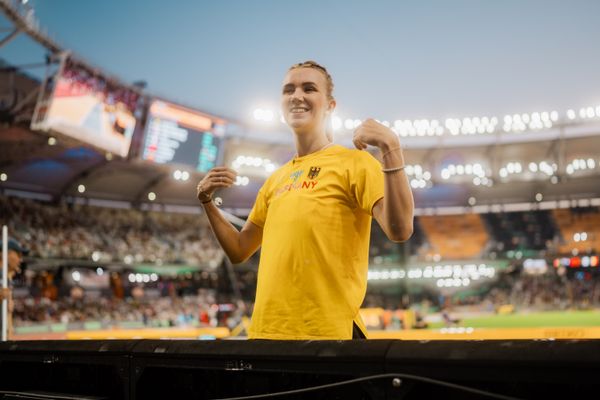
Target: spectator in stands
{"type": "Point", "coordinates": [312, 217]}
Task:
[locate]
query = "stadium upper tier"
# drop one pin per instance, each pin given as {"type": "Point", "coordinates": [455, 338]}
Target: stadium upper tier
{"type": "Point", "coordinates": [547, 124]}
{"type": "Point", "coordinates": [104, 139]}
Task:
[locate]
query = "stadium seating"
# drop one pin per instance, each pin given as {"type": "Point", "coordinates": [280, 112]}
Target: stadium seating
{"type": "Point", "coordinates": [455, 236]}
{"type": "Point", "coordinates": [574, 222]}
{"type": "Point", "coordinates": [527, 232]}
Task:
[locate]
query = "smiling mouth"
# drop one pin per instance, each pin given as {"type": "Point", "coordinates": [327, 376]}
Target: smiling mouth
{"type": "Point", "coordinates": [298, 110]}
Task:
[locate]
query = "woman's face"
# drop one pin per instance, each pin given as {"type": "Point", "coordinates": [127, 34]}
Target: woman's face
{"type": "Point", "coordinates": [304, 100]}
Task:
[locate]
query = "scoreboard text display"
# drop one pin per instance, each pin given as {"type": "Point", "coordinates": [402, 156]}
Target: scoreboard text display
{"type": "Point", "coordinates": [178, 135]}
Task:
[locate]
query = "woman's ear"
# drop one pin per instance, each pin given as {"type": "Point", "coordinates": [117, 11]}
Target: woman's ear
{"type": "Point", "coordinates": [332, 104]}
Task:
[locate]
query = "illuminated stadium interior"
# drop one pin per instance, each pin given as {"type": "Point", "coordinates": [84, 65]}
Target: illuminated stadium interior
{"type": "Point", "coordinates": [98, 181]}
{"type": "Point", "coordinates": [98, 178]}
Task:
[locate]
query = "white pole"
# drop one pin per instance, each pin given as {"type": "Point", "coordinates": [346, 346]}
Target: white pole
{"type": "Point", "coordinates": [4, 282]}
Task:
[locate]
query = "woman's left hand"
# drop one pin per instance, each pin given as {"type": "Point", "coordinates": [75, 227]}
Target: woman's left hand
{"type": "Point", "coordinates": [375, 134]}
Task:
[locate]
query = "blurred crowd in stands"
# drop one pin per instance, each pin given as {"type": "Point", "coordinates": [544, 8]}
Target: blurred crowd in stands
{"type": "Point", "coordinates": [209, 293]}
{"type": "Point", "coordinates": [81, 232]}
{"type": "Point", "coordinates": [200, 310]}
{"type": "Point", "coordinates": [550, 291]}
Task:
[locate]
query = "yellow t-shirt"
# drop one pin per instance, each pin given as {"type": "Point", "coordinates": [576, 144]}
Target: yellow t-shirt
{"type": "Point", "coordinates": [315, 212]}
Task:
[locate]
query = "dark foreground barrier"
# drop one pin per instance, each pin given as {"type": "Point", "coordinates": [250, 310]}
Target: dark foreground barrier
{"type": "Point", "coordinates": [383, 369]}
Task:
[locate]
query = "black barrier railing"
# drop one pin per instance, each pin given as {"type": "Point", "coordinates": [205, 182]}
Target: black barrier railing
{"type": "Point", "coordinates": [363, 369]}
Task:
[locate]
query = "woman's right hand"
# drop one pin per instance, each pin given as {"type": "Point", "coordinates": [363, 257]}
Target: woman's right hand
{"type": "Point", "coordinates": [218, 177]}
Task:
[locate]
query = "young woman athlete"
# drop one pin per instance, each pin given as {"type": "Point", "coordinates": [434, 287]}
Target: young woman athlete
{"type": "Point", "coordinates": [312, 218]}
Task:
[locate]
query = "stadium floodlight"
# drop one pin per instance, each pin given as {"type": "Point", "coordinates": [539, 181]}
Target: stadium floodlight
{"type": "Point", "coordinates": [591, 164]}
{"type": "Point", "coordinates": [539, 197]}
{"type": "Point", "coordinates": [268, 115]}
{"type": "Point", "coordinates": [533, 167]}
{"type": "Point", "coordinates": [151, 196]}
{"type": "Point", "coordinates": [263, 115]}
{"type": "Point", "coordinates": [258, 114]}
{"type": "Point", "coordinates": [241, 181]}
{"type": "Point", "coordinates": [3, 177]}
{"type": "Point", "coordinates": [253, 162]}
{"type": "Point", "coordinates": [590, 112]}
{"type": "Point", "coordinates": [512, 123]}
{"type": "Point", "coordinates": [81, 188]}
{"type": "Point", "coordinates": [336, 123]}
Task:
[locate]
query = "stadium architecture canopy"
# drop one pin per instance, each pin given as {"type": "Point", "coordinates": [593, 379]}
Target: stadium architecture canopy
{"type": "Point", "coordinates": [84, 135]}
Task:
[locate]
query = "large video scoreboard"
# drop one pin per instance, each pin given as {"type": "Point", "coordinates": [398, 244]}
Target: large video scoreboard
{"type": "Point", "coordinates": [178, 135]}
{"type": "Point", "coordinates": [80, 103]}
